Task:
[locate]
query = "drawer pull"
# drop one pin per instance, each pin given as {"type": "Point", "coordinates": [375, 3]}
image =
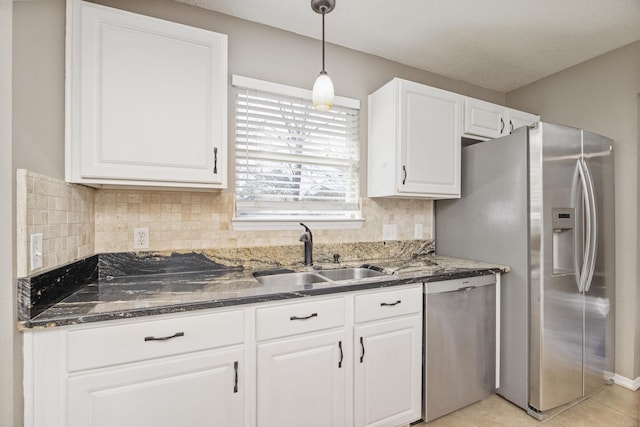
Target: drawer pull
{"type": "Point", "coordinates": [235, 384]}
{"type": "Point", "coordinates": [176, 335]}
{"type": "Point", "coordinates": [304, 318]}
{"type": "Point", "coordinates": [362, 345]}
{"type": "Point", "coordinates": [341, 354]}
{"type": "Point", "coordinates": [389, 304]}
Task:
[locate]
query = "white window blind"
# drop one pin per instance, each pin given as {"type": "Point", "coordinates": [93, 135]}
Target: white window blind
{"type": "Point", "coordinates": [293, 161]}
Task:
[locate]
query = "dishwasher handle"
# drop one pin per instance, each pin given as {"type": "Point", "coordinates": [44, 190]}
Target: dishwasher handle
{"type": "Point", "coordinates": [463, 284]}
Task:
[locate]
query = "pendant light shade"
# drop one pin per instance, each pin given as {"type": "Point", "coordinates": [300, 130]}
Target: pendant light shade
{"type": "Point", "coordinates": [323, 92]}
{"type": "Point", "coordinates": [323, 87]}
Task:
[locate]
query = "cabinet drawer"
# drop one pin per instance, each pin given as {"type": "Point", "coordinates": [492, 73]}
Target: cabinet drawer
{"type": "Point", "coordinates": [385, 304]}
{"type": "Point", "coordinates": [112, 345]}
{"type": "Point", "coordinates": [299, 318]}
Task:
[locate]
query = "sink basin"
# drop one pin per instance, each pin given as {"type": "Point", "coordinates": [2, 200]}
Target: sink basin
{"type": "Point", "coordinates": [350, 273]}
{"type": "Point", "coordinates": [297, 279]}
{"type": "Point", "coordinates": [272, 272]}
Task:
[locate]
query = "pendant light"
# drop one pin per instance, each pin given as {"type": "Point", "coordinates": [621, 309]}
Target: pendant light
{"type": "Point", "coordinates": [323, 87]}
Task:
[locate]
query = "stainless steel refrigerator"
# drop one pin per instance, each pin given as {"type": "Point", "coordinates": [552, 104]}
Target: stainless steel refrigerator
{"type": "Point", "coordinates": [541, 201]}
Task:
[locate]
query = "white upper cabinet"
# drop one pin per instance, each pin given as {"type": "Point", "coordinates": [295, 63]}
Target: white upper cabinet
{"type": "Point", "coordinates": [516, 119]}
{"type": "Point", "coordinates": [146, 101]}
{"type": "Point", "coordinates": [414, 141]}
{"type": "Point", "coordinates": [487, 120]}
{"type": "Point", "coordinates": [483, 118]}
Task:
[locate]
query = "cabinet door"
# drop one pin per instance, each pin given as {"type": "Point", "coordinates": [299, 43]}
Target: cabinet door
{"type": "Point", "coordinates": [387, 372]}
{"type": "Point", "coordinates": [429, 141]}
{"type": "Point", "coordinates": [147, 100]}
{"type": "Point", "coordinates": [484, 119]}
{"type": "Point", "coordinates": [518, 119]}
{"type": "Point", "coordinates": [301, 381]}
{"type": "Point", "coordinates": [203, 389]}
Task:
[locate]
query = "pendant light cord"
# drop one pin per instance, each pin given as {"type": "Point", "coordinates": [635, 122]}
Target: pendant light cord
{"type": "Point", "coordinates": [323, 13]}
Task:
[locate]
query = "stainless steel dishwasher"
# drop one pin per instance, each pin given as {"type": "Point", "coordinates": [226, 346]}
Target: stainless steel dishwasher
{"type": "Point", "coordinates": [459, 343]}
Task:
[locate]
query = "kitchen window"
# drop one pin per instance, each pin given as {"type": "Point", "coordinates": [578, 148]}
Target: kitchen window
{"type": "Point", "coordinates": [293, 163]}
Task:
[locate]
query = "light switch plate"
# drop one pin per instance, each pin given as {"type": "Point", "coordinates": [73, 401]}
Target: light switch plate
{"type": "Point", "coordinates": [389, 232]}
{"type": "Point", "coordinates": [36, 251]}
{"type": "Point", "coordinates": [141, 238]}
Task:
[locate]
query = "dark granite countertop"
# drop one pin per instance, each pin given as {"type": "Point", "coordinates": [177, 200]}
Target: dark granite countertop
{"type": "Point", "coordinates": [116, 286]}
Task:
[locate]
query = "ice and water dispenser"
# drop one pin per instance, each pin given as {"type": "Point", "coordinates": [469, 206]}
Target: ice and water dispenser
{"type": "Point", "coordinates": [563, 224]}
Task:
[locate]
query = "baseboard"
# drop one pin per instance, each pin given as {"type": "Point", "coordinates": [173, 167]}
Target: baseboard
{"type": "Point", "coordinates": [626, 382]}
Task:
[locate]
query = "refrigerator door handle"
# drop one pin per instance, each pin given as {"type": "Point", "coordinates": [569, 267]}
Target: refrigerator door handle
{"type": "Point", "coordinates": [576, 200]}
{"type": "Point", "coordinates": [583, 272]}
{"type": "Point", "coordinates": [593, 225]}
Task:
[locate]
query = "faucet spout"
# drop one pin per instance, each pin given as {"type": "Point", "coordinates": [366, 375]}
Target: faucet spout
{"type": "Point", "coordinates": [307, 238]}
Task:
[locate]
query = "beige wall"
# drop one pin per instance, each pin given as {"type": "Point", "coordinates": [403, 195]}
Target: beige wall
{"type": "Point", "coordinates": [601, 95]}
{"type": "Point", "coordinates": [38, 86]}
{"type": "Point", "coordinates": [10, 347]}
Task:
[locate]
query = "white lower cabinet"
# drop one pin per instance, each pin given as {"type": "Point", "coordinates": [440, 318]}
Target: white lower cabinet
{"type": "Point", "coordinates": [187, 370]}
{"type": "Point", "coordinates": [301, 381]}
{"type": "Point", "coordinates": [387, 368]}
{"type": "Point", "coordinates": [388, 360]}
{"type": "Point", "coordinates": [348, 360]}
{"type": "Point", "coordinates": [194, 390]}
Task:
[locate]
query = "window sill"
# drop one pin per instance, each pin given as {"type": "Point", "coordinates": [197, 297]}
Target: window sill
{"type": "Point", "coordinates": [240, 224]}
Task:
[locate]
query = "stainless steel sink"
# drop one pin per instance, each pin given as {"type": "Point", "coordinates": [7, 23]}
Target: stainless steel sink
{"type": "Point", "coordinates": [290, 278]}
{"type": "Point", "coordinates": [296, 279]}
{"type": "Point", "coordinates": [350, 273]}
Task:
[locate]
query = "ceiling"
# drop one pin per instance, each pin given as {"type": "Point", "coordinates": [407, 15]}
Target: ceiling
{"type": "Point", "coordinates": [496, 44]}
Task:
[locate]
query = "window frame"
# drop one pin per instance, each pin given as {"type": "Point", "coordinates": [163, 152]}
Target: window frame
{"type": "Point", "coordinates": [285, 222]}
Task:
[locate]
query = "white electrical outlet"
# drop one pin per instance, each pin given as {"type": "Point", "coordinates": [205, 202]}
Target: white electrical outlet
{"type": "Point", "coordinates": [36, 251]}
{"type": "Point", "coordinates": [141, 238]}
{"type": "Point", "coordinates": [417, 231]}
{"type": "Point", "coordinates": [389, 232]}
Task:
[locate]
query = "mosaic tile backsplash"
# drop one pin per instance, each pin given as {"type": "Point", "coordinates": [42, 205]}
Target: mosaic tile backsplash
{"type": "Point", "coordinates": [63, 213]}
{"type": "Point", "coordinates": [78, 221]}
{"type": "Point", "coordinates": [197, 220]}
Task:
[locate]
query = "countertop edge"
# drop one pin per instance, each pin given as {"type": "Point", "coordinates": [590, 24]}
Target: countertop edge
{"type": "Point", "coordinates": [391, 281]}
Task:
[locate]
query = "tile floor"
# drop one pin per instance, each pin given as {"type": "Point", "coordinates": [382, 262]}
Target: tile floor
{"type": "Point", "coordinates": [613, 406]}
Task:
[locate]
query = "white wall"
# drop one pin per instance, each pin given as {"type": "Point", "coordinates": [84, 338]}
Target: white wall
{"type": "Point", "coordinates": [601, 95]}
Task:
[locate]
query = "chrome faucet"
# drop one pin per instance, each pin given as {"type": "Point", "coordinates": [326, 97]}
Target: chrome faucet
{"type": "Point", "coordinates": [307, 238]}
